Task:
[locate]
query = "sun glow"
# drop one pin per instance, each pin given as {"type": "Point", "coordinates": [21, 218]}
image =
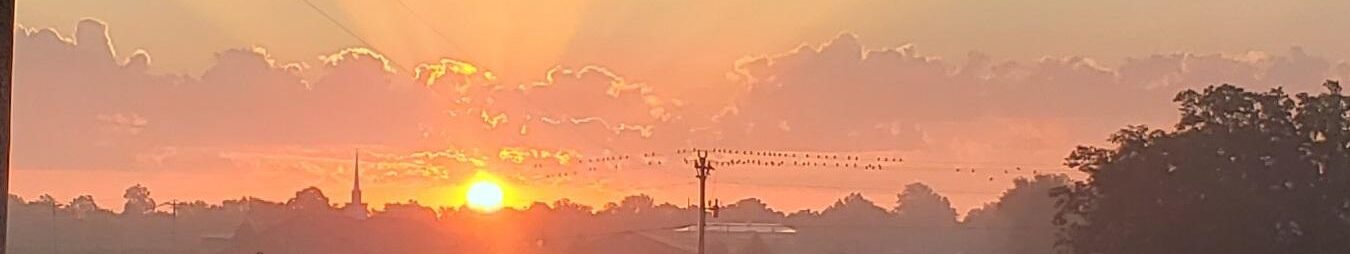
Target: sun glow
{"type": "Point", "coordinates": [485, 196]}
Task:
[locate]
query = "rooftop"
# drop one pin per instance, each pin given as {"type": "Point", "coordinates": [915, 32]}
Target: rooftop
{"type": "Point", "coordinates": [749, 227]}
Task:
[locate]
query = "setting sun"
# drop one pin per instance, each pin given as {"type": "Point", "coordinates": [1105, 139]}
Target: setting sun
{"type": "Point", "coordinates": [484, 196]}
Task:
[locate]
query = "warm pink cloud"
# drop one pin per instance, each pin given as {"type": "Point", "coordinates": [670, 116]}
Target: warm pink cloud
{"type": "Point", "coordinates": [843, 95]}
{"type": "Point", "coordinates": [249, 111]}
{"type": "Point", "coordinates": [82, 108]}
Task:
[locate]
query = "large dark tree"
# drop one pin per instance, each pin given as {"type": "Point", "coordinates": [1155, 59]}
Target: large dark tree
{"type": "Point", "coordinates": [1242, 172]}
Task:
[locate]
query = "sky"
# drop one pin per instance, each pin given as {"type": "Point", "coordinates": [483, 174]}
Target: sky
{"type": "Point", "coordinates": [213, 100]}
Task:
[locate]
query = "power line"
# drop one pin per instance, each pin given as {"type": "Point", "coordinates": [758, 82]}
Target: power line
{"type": "Point", "coordinates": [660, 186]}
{"type": "Point", "coordinates": [351, 33]}
{"type": "Point", "coordinates": [801, 225]}
{"type": "Point", "coordinates": [427, 23]}
{"type": "Point", "coordinates": [770, 159]}
{"type": "Point", "coordinates": [852, 188]}
{"type": "Point", "coordinates": [884, 226]}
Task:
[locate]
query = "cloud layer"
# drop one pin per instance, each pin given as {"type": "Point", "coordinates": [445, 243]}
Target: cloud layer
{"type": "Point", "coordinates": [81, 106]}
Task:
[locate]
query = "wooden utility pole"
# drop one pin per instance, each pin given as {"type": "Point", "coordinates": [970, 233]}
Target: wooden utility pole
{"type": "Point", "coordinates": [703, 169]}
{"type": "Point", "coordinates": [6, 88]}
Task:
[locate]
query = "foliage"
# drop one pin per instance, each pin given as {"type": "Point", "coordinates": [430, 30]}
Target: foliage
{"type": "Point", "coordinates": [138, 201]}
{"type": "Point", "coordinates": [309, 199]}
{"type": "Point", "coordinates": [1242, 172]}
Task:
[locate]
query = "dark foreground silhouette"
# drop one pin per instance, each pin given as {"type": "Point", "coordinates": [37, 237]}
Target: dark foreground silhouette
{"type": "Point", "coordinates": [1242, 172]}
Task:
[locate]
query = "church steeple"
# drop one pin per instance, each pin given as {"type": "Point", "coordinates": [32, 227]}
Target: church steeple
{"type": "Point", "coordinates": [356, 179]}
{"type": "Point", "coordinates": [356, 208]}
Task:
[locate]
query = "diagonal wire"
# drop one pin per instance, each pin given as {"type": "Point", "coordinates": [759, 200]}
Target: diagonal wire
{"type": "Point", "coordinates": [428, 24]}
{"type": "Point", "coordinates": [351, 33]}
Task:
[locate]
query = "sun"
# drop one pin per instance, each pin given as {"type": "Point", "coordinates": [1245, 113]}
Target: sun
{"type": "Point", "coordinates": [484, 196]}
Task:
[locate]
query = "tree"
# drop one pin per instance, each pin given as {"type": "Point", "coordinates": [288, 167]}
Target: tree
{"type": "Point", "coordinates": [856, 210]}
{"type": "Point", "coordinates": [46, 199]}
{"type": "Point", "coordinates": [919, 206]}
{"type": "Point", "coordinates": [926, 220]}
{"type": "Point", "coordinates": [138, 201]}
{"type": "Point", "coordinates": [410, 210]}
{"type": "Point", "coordinates": [852, 225]}
{"type": "Point", "coordinates": [635, 204]}
{"type": "Point", "coordinates": [309, 199]}
{"type": "Point", "coordinates": [569, 207]}
{"type": "Point", "coordinates": [1242, 172]}
{"type": "Point", "coordinates": [749, 210]}
{"type": "Point", "coordinates": [83, 205]}
{"type": "Point", "coordinates": [1020, 221]}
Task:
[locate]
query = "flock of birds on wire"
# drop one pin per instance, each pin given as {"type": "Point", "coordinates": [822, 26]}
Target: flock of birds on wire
{"type": "Point", "coordinates": [736, 157]}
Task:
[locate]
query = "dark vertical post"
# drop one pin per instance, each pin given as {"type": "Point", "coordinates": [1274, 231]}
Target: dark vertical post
{"type": "Point", "coordinates": [53, 228]}
{"type": "Point", "coordinates": [6, 72]}
{"type": "Point", "coordinates": [703, 168]}
{"type": "Point", "coordinates": [173, 227]}
{"type": "Point", "coordinates": [702, 209]}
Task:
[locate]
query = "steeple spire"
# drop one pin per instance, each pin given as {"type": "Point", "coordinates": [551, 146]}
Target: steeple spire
{"type": "Point", "coordinates": [356, 179]}
{"type": "Point", "coordinates": [357, 208]}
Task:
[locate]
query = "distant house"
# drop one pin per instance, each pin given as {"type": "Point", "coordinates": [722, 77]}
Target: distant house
{"type": "Point", "coordinates": [742, 228]}
{"type": "Point", "coordinates": [721, 238]}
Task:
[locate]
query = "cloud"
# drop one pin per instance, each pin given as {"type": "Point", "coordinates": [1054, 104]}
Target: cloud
{"type": "Point", "coordinates": [81, 106]}
{"type": "Point", "coordinates": [841, 95]}
{"type": "Point", "coordinates": [586, 108]}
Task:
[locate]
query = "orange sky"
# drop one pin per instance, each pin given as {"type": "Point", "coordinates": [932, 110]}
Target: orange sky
{"type": "Point", "coordinates": [213, 100]}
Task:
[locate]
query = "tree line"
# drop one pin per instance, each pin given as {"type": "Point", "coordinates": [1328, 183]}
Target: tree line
{"type": "Point", "coordinates": [917, 220]}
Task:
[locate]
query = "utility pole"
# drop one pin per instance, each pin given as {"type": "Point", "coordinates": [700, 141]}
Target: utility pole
{"type": "Point", "coordinates": [53, 228]}
{"type": "Point", "coordinates": [173, 226]}
{"type": "Point", "coordinates": [703, 169]}
{"type": "Point", "coordinates": [6, 91]}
